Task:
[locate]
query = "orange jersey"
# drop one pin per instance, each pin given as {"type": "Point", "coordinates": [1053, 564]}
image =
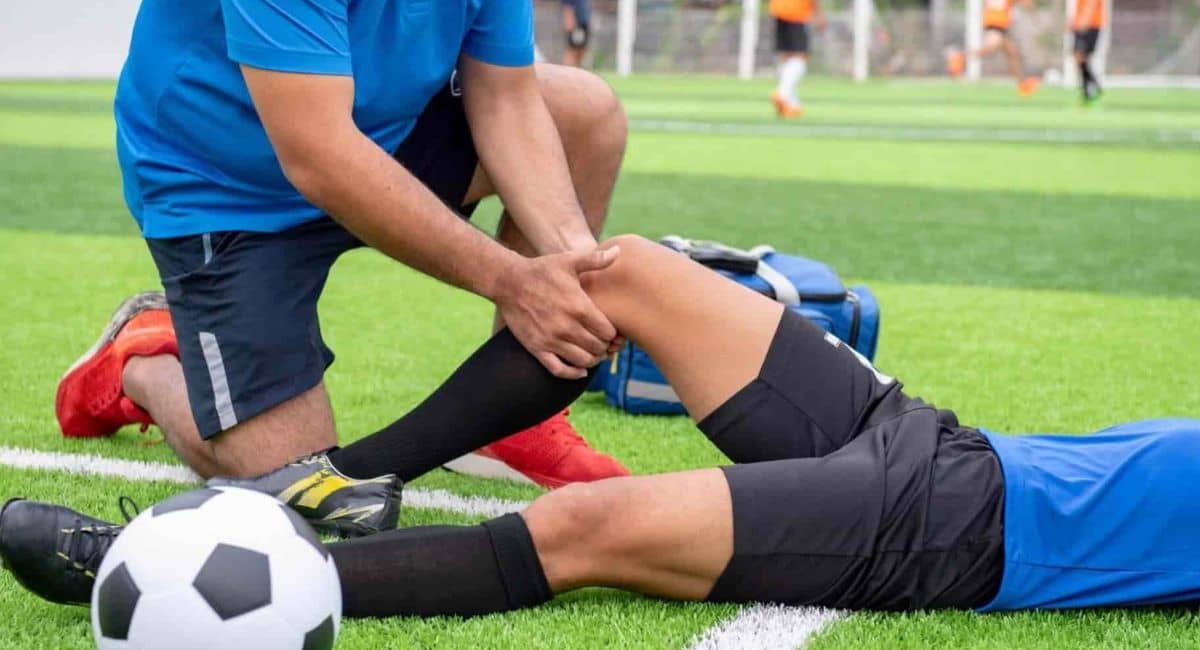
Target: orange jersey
{"type": "Point", "coordinates": [796, 11]}
{"type": "Point", "coordinates": [1089, 14]}
{"type": "Point", "coordinates": [997, 13]}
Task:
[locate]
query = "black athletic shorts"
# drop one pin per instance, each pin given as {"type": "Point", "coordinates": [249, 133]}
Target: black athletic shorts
{"type": "Point", "coordinates": [244, 304]}
{"type": "Point", "coordinates": [1003, 31]}
{"type": "Point", "coordinates": [1086, 39]}
{"type": "Point", "coordinates": [791, 36]}
{"type": "Point", "coordinates": [851, 494]}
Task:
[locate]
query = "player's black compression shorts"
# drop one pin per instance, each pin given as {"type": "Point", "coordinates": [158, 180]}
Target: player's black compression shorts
{"type": "Point", "coordinates": [791, 36]}
{"type": "Point", "coordinates": [1085, 40]}
{"type": "Point", "coordinates": [850, 494]}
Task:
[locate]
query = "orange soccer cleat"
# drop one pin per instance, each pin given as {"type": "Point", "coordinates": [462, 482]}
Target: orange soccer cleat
{"type": "Point", "coordinates": [91, 401]}
{"type": "Point", "coordinates": [785, 108]}
{"type": "Point", "coordinates": [1028, 86]}
{"type": "Point", "coordinates": [550, 454]}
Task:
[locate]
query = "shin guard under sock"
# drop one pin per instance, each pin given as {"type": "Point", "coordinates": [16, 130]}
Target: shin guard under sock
{"type": "Point", "coordinates": [441, 571]}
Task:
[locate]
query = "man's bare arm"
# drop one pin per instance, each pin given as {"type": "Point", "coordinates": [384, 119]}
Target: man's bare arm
{"type": "Point", "coordinates": [308, 119]}
{"type": "Point", "coordinates": [520, 149]}
{"type": "Point", "coordinates": [336, 167]}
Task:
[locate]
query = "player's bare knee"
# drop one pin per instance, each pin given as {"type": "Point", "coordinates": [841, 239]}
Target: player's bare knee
{"type": "Point", "coordinates": [569, 517]}
{"type": "Point", "coordinates": [620, 277]}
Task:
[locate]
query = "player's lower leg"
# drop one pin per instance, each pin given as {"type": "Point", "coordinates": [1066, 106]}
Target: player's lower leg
{"type": "Point", "coordinates": [1089, 85]}
{"type": "Point", "coordinates": [593, 129]}
{"type": "Point", "coordinates": [668, 535]}
{"type": "Point", "coordinates": [1026, 85]}
{"type": "Point", "coordinates": [792, 68]}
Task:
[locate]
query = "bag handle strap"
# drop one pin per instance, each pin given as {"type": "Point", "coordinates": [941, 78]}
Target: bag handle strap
{"type": "Point", "coordinates": [719, 256]}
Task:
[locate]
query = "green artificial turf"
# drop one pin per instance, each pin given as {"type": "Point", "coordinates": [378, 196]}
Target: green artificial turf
{"type": "Point", "coordinates": [1031, 286]}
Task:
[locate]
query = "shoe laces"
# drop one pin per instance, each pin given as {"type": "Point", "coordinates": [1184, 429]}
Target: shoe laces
{"type": "Point", "coordinates": [87, 543]}
{"type": "Point", "coordinates": [559, 429]}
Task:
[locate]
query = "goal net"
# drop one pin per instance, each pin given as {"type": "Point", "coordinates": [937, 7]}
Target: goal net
{"type": "Point", "coordinates": [1149, 42]}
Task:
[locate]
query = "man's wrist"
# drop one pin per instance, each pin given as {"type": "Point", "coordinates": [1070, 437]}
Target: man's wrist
{"type": "Point", "coordinates": [497, 276]}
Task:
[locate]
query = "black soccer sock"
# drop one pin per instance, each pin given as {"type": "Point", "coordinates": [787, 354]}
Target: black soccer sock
{"type": "Point", "coordinates": [1087, 80]}
{"type": "Point", "coordinates": [441, 570]}
{"type": "Point", "coordinates": [500, 390]}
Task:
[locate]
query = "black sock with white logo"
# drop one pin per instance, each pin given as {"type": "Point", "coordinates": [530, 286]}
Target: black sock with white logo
{"type": "Point", "coordinates": [441, 571]}
{"type": "Point", "coordinates": [500, 390]}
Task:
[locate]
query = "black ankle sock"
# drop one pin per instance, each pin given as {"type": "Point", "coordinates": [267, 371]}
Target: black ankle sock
{"type": "Point", "coordinates": [441, 570]}
{"type": "Point", "coordinates": [500, 390]}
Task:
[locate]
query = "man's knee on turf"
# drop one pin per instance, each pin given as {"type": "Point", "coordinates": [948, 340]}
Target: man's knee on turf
{"type": "Point", "coordinates": [587, 112]}
{"type": "Point", "coordinates": [295, 428]}
{"type": "Point", "coordinates": [572, 532]}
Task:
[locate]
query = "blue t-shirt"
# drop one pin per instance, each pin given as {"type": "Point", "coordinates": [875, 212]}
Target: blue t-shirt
{"type": "Point", "coordinates": [194, 155]}
{"type": "Point", "coordinates": [1110, 519]}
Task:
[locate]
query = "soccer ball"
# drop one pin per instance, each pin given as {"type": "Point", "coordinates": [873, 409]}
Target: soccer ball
{"type": "Point", "coordinates": [217, 568]}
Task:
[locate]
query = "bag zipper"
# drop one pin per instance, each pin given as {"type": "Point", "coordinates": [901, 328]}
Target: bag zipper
{"type": "Point", "coordinates": [852, 298]}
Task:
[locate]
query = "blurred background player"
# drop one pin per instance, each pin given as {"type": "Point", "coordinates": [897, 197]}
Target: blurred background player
{"type": "Point", "coordinates": [791, 41]}
{"type": "Point", "coordinates": [997, 19]}
{"type": "Point", "coordinates": [1088, 21]}
{"type": "Point", "coordinates": [577, 18]}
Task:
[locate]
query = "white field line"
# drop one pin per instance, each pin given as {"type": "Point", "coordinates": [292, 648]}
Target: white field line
{"type": "Point", "coordinates": [767, 627]}
{"type": "Point", "coordinates": [149, 471]}
{"type": "Point", "coordinates": [758, 627]}
{"type": "Point", "coordinates": [1067, 136]}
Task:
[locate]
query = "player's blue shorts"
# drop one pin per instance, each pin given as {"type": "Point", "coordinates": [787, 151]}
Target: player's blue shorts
{"type": "Point", "coordinates": [244, 304]}
{"type": "Point", "coordinates": [583, 10]}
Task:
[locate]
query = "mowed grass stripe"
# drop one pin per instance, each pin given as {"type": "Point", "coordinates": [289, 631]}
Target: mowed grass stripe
{"type": "Point", "coordinates": [919, 133]}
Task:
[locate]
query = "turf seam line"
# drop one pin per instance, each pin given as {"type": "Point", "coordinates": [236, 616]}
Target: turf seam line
{"type": "Point", "coordinates": [1078, 136]}
{"type": "Point", "coordinates": [136, 470]}
{"type": "Point", "coordinates": [768, 627]}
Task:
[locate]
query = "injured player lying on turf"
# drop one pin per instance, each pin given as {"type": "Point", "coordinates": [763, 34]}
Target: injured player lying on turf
{"type": "Point", "coordinates": [845, 491]}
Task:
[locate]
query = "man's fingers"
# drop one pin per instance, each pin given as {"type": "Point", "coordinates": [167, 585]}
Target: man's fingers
{"type": "Point", "coordinates": [600, 258]}
{"type": "Point", "coordinates": [598, 324]}
{"type": "Point", "coordinates": [576, 356]}
{"type": "Point", "coordinates": [558, 368]}
{"type": "Point", "coordinates": [616, 345]}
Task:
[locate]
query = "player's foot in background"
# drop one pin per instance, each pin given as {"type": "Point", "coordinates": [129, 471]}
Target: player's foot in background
{"type": "Point", "coordinates": [956, 62]}
{"type": "Point", "coordinates": [1029, 86]}
{"type": "Point", "coordinates": [784, 107]}
{"type": "Point", "coordinates": [550, 454]}
{"type": "Point", "coordinates": [52, 550]}
{"type": "Point", "coordinates": [91, 401]}
{"type": "Point", "coordinates": [332, 502]}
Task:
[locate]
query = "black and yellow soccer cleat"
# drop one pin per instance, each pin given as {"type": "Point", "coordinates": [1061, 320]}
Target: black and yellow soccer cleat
{"type": "Point", "coordinates": [52, 550]}
{"type": "Point", "coordinates": [332, 502]}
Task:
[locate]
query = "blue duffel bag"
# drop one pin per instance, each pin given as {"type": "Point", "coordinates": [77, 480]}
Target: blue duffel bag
{"type": "Point", "coordinates": [633, 383]}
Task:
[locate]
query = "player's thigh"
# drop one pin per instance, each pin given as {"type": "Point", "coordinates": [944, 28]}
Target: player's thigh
{"type": "Point", "coordinates": [734, 354]}
{"type": "Point", "coordinates": [993, 40]}
{"type": "Point", "coordinates": [668, 535]}
{"type": "Point", "coordinates": [590, 121]}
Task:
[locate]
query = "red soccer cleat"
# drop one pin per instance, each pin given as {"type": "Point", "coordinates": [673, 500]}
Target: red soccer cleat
{"type": "Point", "coordinates": [550, 454]}
{"type": "Point", "coordinates": [91, 401]}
